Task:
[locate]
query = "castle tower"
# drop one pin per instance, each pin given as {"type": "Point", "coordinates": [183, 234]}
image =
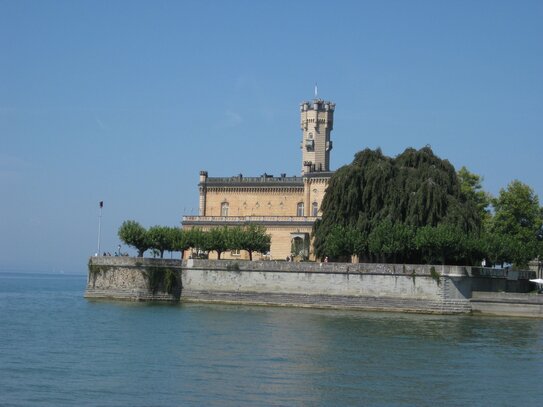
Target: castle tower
{"type": "Point", "coordinates": [203, 193]}
{"type": "Point", "coordinates": [317, 119]}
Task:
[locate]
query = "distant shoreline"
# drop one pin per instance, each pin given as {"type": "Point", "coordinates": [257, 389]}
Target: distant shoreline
{"type": "Point", "coordinates": [50, 273]}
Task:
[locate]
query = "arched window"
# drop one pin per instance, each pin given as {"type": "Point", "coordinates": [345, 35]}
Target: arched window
{"type": "Point", "coordinates": [314, 209]}
{"type": "Point", "coordinates": [300, 209]}
{"type": "Point", "coordinates": [224, 209]}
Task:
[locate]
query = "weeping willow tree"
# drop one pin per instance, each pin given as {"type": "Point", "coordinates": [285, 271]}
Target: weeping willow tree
{"type": "Point", "coordinates": [375, 206]}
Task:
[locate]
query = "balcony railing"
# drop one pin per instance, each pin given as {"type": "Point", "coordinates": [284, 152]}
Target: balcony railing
{"type": "Point", "coordinates": [250, 219]}
{"type": "Point", "coordinates": [263, 178]}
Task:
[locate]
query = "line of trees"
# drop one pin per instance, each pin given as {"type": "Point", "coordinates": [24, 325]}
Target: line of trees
{"type": "Point", "coordinates": [415, 208]}
{"type": "Point", "coordinates": [250, 237]}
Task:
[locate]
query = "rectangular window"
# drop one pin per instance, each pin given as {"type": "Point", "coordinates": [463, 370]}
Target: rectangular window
{"type": "Point", "coordinates": [315, 209]}
{"type": "Point", "coordinates": [300, 209]}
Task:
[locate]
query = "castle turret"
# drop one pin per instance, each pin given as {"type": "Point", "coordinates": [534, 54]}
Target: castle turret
{"type": "Point", "coordinates": [316, 120]}
{"type": "Point", "coordinates": [203, 192]}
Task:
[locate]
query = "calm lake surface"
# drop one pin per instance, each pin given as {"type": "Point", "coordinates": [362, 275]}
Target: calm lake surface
{"type": "Point", "coordinates": [58, 349]}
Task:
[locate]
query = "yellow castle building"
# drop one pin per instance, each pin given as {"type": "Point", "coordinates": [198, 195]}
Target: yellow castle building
{"type": "Point", "coordinates": [287, 206]}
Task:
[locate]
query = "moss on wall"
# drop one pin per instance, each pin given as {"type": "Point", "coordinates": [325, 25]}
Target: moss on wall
{"type": "Point", "coordinates": [435, 275]}
{"type": "Point", "coordinates": [161, 278]}
{"type": "Point", "coordinates": [94, 271]}
{"type": "Point", "coordinates": [232, 266]}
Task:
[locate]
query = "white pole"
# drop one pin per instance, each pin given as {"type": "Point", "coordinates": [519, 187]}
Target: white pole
{"type": "Point", "coordinates": [99, 226]}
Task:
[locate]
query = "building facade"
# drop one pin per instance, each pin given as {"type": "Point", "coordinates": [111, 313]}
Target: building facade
{"type": "Point", "coordinates": [287, 206]}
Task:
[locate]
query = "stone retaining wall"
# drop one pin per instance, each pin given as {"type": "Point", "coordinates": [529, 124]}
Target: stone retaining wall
{"type": "Point", "coordinates": [129, 278]}
{"type": "Point", "coordinates": [507, 304]}
{"type": "Point", "coordinates": [415, 288]}
{"type": "Point", "coordinates": [383, 287]}
{"type": "Point", "coordinates": [387, 287]}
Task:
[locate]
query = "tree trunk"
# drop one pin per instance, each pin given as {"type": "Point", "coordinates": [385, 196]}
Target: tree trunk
{"type": "Point", "coordinates": [250, 255]}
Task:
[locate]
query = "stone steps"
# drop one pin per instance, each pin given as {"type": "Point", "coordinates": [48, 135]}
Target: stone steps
{"type": "Point", "coordinates": [129, 295]}
{"type": "Point", "coordinates": [326, 301]}
{"type": "Point", "coordinates": [300, 300]}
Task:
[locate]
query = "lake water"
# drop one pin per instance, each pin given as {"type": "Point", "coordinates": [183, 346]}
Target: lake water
{"type": "Point", "coordinates": [58, 349]}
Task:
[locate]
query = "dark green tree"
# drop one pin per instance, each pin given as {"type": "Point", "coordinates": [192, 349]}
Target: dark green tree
{"type": "Point", "coordinates": [135, 235]}
{"type": "Point", "coordinates": [442, 243]}
{"type": "Point", "coordinates": [471, 187]}
{"type": "Point", "coordinates": [391, 242]}
{"type": "Point", "coordinates": [388, 199]}
{"type": "Point", "coordinates": [342, 243]}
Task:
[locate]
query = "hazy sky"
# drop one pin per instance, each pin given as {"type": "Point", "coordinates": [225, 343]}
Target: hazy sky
{"type": "Point", "coordinates": [126, 101]}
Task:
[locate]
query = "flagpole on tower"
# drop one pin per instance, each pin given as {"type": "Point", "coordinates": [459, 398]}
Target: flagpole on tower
{"type": "Point", "coordinates": [100, 225]}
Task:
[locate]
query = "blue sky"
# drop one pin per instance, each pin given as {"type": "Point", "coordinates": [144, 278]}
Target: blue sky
{"type": "Point", "coordinates": [126, 101]}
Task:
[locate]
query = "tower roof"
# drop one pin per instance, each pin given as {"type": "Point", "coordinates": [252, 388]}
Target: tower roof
{"type": "Point", "coordinates": [317, 104]}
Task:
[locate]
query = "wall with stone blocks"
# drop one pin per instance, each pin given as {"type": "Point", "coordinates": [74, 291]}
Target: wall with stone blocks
{"type": "Point", "coordinates": [315, 279]}
{"type": "Point", "coordinates": [128, 278]}
{"type": "Point", "coordinates": [508, 304]}
{"type": "Point", "coordinates": [310, 284]}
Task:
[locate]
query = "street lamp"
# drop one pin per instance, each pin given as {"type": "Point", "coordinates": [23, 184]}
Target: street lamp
{"type": "Point", "coordinates": [100, 225]}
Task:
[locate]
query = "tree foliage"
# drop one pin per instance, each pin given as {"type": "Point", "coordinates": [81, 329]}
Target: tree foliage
{"type": "Point", "coordinates": [386, 200]}
{"type": "Point", "coordinates": [343, 241]}
{"type": "Point", "coordinates": [416, 208]}
{"type": "Point", "coordinates": [391, 241]}
{"type": "Point", "coordinates": [441, 244]}
{"type": "Point", "coordinates": [515, 229]}
{"type": "Point", "coordinates": [218, 240]}
{"type": "Point", "coordinates": [250, 237]}
{"type": "Point", "coordinates": [472, 189]}
{"type": "Point", "coordinates": [160, 238]}
{"type": "Point", "coordinates": [135, 235]}
{"type": "Point", "coordinates": [183, 239]}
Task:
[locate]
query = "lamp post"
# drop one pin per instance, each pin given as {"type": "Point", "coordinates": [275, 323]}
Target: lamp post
{"type": "Point", "coordinates": [100, 225]}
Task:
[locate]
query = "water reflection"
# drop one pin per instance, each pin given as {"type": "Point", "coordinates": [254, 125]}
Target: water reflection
{"type": "Point", "coordinates": [355, 357]}
{"type": "Point", "coordinates": [60, 349]}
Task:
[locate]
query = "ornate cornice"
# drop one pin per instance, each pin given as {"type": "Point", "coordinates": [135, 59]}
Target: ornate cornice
{"type": "Point", "coordinates": [253, 189]}
{"type": "Point", "coordinates": [286, 221]}
{"type": "Point", "coordinates": [265, 182]}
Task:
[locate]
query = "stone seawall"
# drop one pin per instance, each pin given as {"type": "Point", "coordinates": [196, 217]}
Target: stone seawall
{"type": "Point", "coordinates": [387, 287]}
{"type": "Point", "coordinates": [507, 304]}
{"type": "Point", "coordinates": [383, 287]}
{"type": "Point", "coordinates": [134, 279]}
{"type": "Point", "coordinates": [413, 288]}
